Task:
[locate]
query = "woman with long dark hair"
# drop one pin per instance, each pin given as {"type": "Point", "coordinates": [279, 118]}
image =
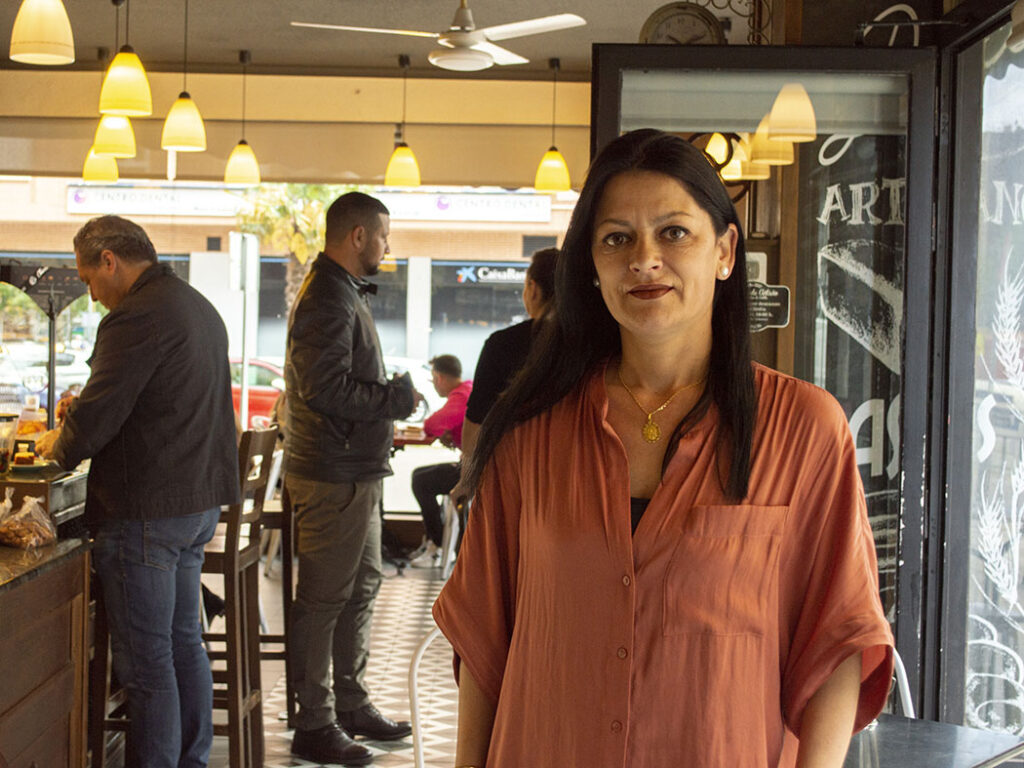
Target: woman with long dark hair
{"type": "Point", "coordinates": [668, 560]}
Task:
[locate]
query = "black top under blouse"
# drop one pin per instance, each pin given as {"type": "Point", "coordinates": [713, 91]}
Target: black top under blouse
{"type": "Point", "coordinates": [637, 507]}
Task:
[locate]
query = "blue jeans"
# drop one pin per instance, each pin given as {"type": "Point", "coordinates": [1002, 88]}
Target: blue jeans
{"type": "Point", "coordinates": [149, 571]}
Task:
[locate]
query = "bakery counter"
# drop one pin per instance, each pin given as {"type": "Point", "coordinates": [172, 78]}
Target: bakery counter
{"type": "Point", "coordinates": [62, 493]}
{"type": "Point", "coordinates": [43, 654]}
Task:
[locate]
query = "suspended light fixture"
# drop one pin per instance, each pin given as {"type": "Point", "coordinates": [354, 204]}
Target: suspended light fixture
{"type": "Point", "coordinates": [42, 34]}
{"type": "Point", "coordinates": [769, 151]}
{"type": "Point", "coordinates": [125, 88]}
{"type": "Point", "coordinates": [1015, 42]}
{"type": "Point", "coordinates": [717, 149]}
{"type": "Point", "coordinates": [242, 167]}
{"type": "Point", "coordinates": [99, 167]}
{"type": "Point", "coordinates": [402, 170]}
{"type": "Point", "coordinates": [792, 116]}
{"type": "Point", "coordinates": [114, 137]}
{"type": "Point", "coordinates": [552, 173]}
{"type": "Point", "coordinates": [183, 129]}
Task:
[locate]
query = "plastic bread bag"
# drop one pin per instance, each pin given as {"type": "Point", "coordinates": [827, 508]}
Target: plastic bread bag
{"type": "Point", "coordinates": [29, 527]}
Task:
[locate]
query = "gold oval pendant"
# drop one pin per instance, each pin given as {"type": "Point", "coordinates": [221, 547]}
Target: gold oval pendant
{"type": "Point", "coordinates": [651, 432]}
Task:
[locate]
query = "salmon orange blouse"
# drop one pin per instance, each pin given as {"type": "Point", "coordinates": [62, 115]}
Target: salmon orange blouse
{"type": "Point", "coordinates": [699, 640]}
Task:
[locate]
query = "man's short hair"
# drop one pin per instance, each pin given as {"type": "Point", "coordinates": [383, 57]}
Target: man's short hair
{"type": "Point", "coordinates": [126, 239]}
{"type": "Point", "coordinates": [448, 365]}
{"type": "Point", "coordinates": [352, 210]}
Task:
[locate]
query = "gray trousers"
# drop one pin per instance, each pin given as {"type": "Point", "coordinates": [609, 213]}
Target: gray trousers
{"type": "Point", "coordinates": [338, 543]}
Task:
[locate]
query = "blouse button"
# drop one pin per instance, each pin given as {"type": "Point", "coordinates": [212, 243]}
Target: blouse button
{"type": "Point", "coordinates": [622, 653]}
{"type": "Point", "coordinates": [616, 726]}
{"type": "Point", "coordinates": [626, 580]}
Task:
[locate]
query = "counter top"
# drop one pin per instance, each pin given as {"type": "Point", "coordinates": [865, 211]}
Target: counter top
{"type": "Point", "coordinates": [20, 565]}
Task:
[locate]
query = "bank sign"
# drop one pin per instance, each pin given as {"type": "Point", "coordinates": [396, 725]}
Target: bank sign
{"type": "Point", "coordinates": [490, 273]}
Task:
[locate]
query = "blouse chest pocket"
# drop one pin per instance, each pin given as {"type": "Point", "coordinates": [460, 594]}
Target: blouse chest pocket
{"type": "Point", "coordinates": [722, 578]}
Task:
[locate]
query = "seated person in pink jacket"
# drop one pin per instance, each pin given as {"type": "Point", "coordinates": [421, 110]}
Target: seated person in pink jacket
{"type": "Point", "coordinates": [438, 479]}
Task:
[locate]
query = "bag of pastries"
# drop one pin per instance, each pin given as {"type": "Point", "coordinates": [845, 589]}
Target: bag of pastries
{"type": "Point", "coordinates": [29, 527]}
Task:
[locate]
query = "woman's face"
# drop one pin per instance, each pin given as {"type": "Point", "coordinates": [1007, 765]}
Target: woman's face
{"type": "Point", "coordinates": [657, 256]}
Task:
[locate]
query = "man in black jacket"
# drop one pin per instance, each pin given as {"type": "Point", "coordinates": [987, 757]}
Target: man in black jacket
{"type": "Point", "coordinates": [340, 411]}
{"type": "Point", "coordinates": [156, 419]}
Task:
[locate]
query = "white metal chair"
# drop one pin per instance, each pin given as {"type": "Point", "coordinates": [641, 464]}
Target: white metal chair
{"type": "Point", "coordinates": [450, 537]}
{"type": "Point", "coordinates": [414, 702]}
{"type": "Point", "coordinates": [902, 685]}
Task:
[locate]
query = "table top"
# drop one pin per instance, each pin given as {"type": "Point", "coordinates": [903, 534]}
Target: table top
{"type": "Point", "coordinates": [404, 437]}
{"type": "Point", "coordinates": [901, 742]}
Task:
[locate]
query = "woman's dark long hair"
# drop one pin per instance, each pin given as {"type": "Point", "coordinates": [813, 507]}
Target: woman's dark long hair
{"type": "Point", "coordinates": [582, 334]}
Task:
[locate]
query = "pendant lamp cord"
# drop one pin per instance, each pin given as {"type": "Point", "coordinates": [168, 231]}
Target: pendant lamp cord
{"type": "Point", "coordinates": [117, 29]}
{"type": "Point", "coordinates": [244, 68]}
{"type": "Point", "coordinates": [127, 19]}
{"type": "Point", "coordinates": [554, 96]}
{"type": "Point", "coordinates": [403, 62]}
{"type": "Point", "coordinates": [184, 66]}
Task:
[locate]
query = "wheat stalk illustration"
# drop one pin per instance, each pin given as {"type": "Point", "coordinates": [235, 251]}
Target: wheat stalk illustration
{"type": "Point", "coordinates": [1006, 324]}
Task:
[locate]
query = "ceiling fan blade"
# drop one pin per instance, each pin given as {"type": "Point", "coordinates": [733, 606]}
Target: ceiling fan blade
{"type": "Point", "coordinates": [343, 27]}
{"type": "Point", "coordinates": [533, 26]}
{"type": "Point", "coordinates": [499, 54]}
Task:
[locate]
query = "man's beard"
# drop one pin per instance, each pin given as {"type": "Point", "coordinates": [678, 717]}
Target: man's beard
{"type": "Point", "coordinates": [369, 268]}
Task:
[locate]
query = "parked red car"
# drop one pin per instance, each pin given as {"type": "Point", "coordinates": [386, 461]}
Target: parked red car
{"type": "Point", "coordinates": [266, 382]}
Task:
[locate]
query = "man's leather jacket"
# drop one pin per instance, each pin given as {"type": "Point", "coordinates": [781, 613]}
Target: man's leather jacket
{"type": "Point", "coordinates": [340, 402]}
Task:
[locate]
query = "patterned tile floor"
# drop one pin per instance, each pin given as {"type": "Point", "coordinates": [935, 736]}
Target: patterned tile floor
{"type": "Point", "coordinates": [401, 620]}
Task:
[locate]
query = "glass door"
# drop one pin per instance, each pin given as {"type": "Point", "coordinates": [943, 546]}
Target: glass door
{"type": "Point", "coordinates": [844, 220]}
{"type": "Point", "coordinates": [985, 577]}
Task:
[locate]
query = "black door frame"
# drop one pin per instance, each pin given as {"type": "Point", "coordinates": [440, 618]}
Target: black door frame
{"type": "Point", "coordinates": [957, 204]}
{"type": "Point", "coordinates": [916, 584]}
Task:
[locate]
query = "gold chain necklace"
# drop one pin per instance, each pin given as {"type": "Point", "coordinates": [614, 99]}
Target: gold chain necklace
{"type": "Point", "coordinates": [650, 430]}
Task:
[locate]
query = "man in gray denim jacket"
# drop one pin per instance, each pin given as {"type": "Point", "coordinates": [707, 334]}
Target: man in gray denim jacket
{"type": "Point", "coordinates": [156, 418]}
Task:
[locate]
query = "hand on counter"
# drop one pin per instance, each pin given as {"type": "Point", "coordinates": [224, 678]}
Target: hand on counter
{"type": "Point", "coordinates": [45, 443]}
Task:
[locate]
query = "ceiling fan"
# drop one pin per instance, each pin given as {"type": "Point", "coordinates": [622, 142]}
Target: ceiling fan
{"type": "Point", "coordinates": [467, 48]}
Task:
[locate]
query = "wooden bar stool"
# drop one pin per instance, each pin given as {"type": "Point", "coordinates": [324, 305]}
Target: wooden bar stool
{"type": "Point", "coordinates": [277, 516]}
{"type": "Point", "coordinates": [235, 555]}
{"type": "Point", "coordinates": [107, 701]}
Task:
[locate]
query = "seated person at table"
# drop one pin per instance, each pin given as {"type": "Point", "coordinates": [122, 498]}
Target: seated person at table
{"type": "Point", "coordinates": [438, 479]}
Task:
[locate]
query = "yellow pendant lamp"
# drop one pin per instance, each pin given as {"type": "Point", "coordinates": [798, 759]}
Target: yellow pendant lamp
{"type": "Point", "coordinates": [183, 129]}
{"type": "Point", "coordinates": [792, 116]}
{"type": "Point", "coordinates": [242, 168]}
{"type": "Point", "coordinates": [99, 167]}
{"type": "Point", "coordinates": [114, 137]}
{"type": "Point", "coordinates": [125, 88]}
{"type": "Point", "coordinates": [769, 151]}
{"type": "Point", "coordinates": [42, 34]}
{"type": "Point", "coordinates": [552, 173]}
{"type": "Point", "coordinates": [402, 170]}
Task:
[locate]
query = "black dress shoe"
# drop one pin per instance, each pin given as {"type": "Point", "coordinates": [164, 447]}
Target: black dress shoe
{"type": "Point", "coordinates": [330, 744]}
{"type": "Point", "coordinates": [367, 721]}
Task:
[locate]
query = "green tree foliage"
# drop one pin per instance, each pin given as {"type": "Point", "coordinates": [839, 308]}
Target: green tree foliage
{"type": "Point", "coordinates": [289, 218]}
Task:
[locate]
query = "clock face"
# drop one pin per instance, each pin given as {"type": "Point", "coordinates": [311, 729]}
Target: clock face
{"type": "Point", "coordinates": [682, 24]}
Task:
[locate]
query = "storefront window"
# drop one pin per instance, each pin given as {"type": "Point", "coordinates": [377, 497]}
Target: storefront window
{"type": "Point", "coordinates": [470, 301]}
{"type": "Point", "coordinates": [994, 696]}
{"type": "Point", "coordinates": [28, 282]}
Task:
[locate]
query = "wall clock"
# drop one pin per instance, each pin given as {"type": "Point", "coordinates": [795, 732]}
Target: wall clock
{"type": "Point", "coordinates": [683, 23]}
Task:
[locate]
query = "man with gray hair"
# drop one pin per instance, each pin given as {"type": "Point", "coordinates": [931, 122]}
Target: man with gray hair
{"type": "Point", "coordinates": [340, 411]}
{"type": "Point", "coordinates": [156, 418]}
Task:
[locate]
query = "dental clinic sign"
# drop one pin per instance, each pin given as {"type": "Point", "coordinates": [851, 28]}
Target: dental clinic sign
{"type": "Point", "coordinates": [153, 200]}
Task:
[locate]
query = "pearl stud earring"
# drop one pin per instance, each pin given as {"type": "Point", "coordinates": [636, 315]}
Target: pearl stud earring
{"type": "Point", "coordinates": [725, 271]}
{"type": "Point", "coordinates": [597, 283]}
